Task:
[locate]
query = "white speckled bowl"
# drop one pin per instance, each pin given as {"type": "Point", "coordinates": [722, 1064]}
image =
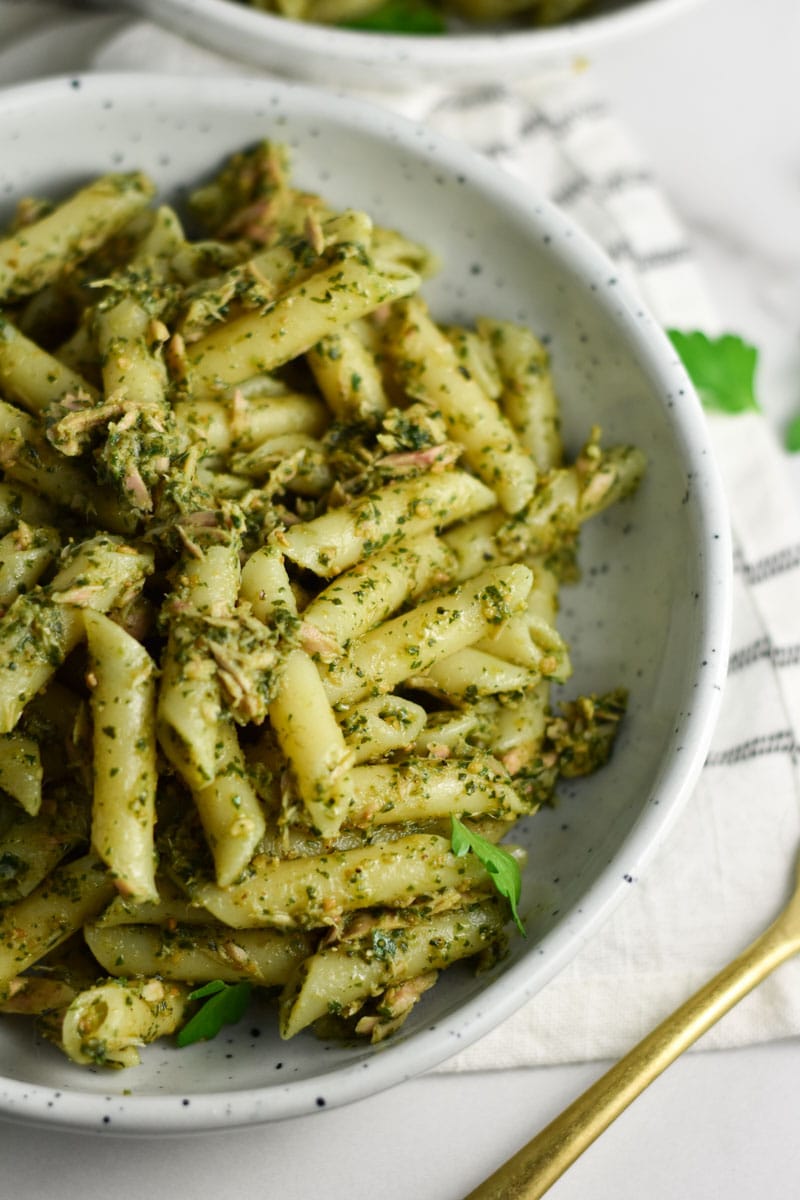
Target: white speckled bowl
{"type": "Point", "coordinates": [467, 55]}
{"type": "Point", "coordinates": [652, 612]}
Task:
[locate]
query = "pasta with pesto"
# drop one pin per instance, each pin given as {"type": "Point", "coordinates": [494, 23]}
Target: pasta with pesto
{"type": "Point", "coordinates": [424, 18]}
{"type": "Point", "coordinates": [280, 556]}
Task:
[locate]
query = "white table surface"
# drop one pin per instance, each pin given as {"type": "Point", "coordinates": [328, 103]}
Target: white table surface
{"type": "Point", "coordinates": [713, 99]}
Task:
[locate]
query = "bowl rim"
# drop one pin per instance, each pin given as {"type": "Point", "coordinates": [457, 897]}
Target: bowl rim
{"type": "Point", "coordinates": [152, 1113]}
{"type": "Point", "coordinates": [466, 50]}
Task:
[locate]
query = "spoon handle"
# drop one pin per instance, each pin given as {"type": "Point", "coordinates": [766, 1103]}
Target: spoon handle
{"type": "Point", "coordinates": [536, 1167]}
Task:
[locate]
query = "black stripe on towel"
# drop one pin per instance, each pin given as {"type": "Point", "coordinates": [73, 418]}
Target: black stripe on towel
{"type": "Point", "coordinates": [767, 568]}
{"type": "Point", "coordinates": [782, 742]}
{"type": "Point", "coordinates": [650, 261]}
{"type": "Point", "coordinates": [539, 120]}
{"type": "Point", "coordinates": [612, 185]}
{"type": "Point", "coordinates": [779, 656]}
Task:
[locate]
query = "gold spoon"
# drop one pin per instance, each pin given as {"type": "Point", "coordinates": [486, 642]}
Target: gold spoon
{"type": "Point", "coordinates": [536, 1167]}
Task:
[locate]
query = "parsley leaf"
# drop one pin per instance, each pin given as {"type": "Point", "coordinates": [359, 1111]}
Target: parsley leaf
{"type": "Point", "coordinates": [502, 866]}
{"type": "Point", "coordinates": [792, 436]}
{"type": "Point", "coordinates": [722, 369]}
{"type": "Point", "coordinates": [399, 16]}
{"type": "Point", "coordinates": [225, 1005]}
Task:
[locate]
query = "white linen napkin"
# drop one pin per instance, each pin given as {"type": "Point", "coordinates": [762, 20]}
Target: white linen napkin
{"type": "Point", "coordinates": [726, 867]}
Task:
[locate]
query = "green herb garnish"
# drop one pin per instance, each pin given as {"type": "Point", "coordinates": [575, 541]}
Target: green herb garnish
{"type": "Point", "coordinates": [502, 866]}
{"type": "Point", "coordinates": [722, 369]}
{"type": "Point", "coordinates": [225, 1005]}
{"type": "Point", "coordinates": [792, 436]}
{"type": "Point", "coordinates": [399, 16]}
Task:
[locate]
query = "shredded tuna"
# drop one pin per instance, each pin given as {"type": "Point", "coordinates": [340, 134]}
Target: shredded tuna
{"type": "Point", "coordinates": [431, 458]}
{"type": "Point", "coordinates": [314, 641]}
{"type": "Point", "coordinates": [137, 491]}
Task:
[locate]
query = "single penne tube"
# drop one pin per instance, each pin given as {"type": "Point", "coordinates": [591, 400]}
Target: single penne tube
{"type": "Point", "coordinates": [529, 641]}
{"type": "Point", "coordinates": [189, 706]}
{"type": "Point", "coordinates": [241, 422]}
{"type": "Point", "coordinates": [258, 342]}
{"type": "Point", "coordinates": [41, 628]}
{"type": "Point", "coordinates": [36, 635]}
{"type": "Point", "coordinates": [348, 377]}
{"type": "Point", "coordinates": [132, 366]}
{"type": "Point", "coordinates": [408, 645]}
{"type": "Point", "coordinates": [19, 503]}
{"type": "Point", "coordinates": [25, 554]}
{"type": "Point", "coordinates": [304, 893]}
{"type": "Point", "coordinates": [423, 789]}
{"type": "Point", "coordinates": [329, 544]}
{"type": "Point", "coordinates": [528, 397]}
{"type": "Point", "coordinates": [170, 908]}
{"type": "Point", "coordinates": [21, 770]}
{"type": "Point", "coordinates": [104, 1026]}
{"type": "Point", "coordinates": [359, 599]}
{"type": "Point", "coordinates": [300, 713]}
{"type": "Point", "coordinates": [429, 368]}
{"type": "Point", "coordinates": [312, 740]}
{"type": "Point", "coordinates": [122, 701]}
{"type": "Point", "coordinates": [471, 673]}
{"type": "Point", "coordinates": [72, 895]}
{"type": "Point", "coordinates": [36, 254]}
{"type": "Point", "coordinates": [344, 975]}
{"type": "Point", "coordinates": [33, 378]}
{"type": "Point", "coordinates": [29, 459]}
{"type": "Point", "coordinates": [230, 811]}
{"type": "Point", "coordinates": [266, 587]}
{"type": "Point", "coordinates": [475, 357]}
{"type": "Point", "coordinates": [200, 953]}
{"type": "Point", "coordinates": [160, 245]}
{"type": "Point", "coordinates": [31, 847]}
{"type": "Point", "coordinates": [382, 725]}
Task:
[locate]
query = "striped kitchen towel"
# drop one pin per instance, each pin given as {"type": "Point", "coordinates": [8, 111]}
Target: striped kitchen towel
{"type": "Point", "coordinates": [725, 869]}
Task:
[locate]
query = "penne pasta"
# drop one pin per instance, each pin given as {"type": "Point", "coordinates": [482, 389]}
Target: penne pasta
{"type": "Point", "coordinates": [410, 644]}
{"type": "Point", "coordinates": [329, 544]}
{"type": "Point", "coordinates": [342, 977]}
{"type": "Point", "coordinates": [123, 699]}
{"type": "Point", "coordinates": [429, 366]}
{"type": "Point", "coordinates": [280, 555]}
{"type": "Point", "coordinates": [254, 344]}
{"type": "Point", "coordinates": [316, 891]}
{"type": "Point", "coordinates": [41, 628]}
{"type": "Point", "coordinates": [359, 599]}
{"type": "Point", "coordinates": [200, 953]}
{"type": "Point", "coordinates": [34, 256]}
